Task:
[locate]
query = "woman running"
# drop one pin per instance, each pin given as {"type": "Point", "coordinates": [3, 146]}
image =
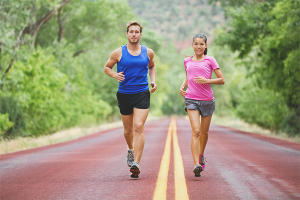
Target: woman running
{"type": "Point", "coordinates": [199, 99]}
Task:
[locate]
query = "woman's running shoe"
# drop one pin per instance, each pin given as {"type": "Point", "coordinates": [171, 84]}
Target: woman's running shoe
{"type": "Point", "coordinates": [202, 161]}
{"type": "Point", "coordinates": [197, 170]}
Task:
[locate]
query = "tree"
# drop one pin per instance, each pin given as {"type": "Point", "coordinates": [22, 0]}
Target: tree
{"type": "Point", "coordinates": [266, 35]}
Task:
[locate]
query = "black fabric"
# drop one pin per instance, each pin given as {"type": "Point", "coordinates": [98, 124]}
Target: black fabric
{"type": "Point", "coordinates": [127, 102]}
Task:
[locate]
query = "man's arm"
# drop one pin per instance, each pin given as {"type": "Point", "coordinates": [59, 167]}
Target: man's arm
{"type": "Point", "coordinates": [152, 70]}
{"type": "Point", "coordinates": [114, 58]}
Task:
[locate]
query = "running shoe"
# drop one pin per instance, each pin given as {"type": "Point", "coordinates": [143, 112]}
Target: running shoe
{"type": "Point", "coordinates": [202, 161]}
{"type": "Point", "coordinates": [197, 170]}
{"type": "Point", "coordinates": [130, 157]}
{"type": "Point", "coordinates": [135, 170]}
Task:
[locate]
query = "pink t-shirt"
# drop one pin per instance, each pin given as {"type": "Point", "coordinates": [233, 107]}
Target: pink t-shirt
{"type": "Point", "coordinates": [203, 68]}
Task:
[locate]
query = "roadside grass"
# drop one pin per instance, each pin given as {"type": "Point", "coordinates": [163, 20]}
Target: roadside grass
{"type": "Point", "coordinates": [18, 144]}
{"type": "Point", "coordinates": [234, 122]}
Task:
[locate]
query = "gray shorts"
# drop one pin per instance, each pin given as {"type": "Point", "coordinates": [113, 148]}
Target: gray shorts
{"type": "Point", "coordinates": [206, 108]}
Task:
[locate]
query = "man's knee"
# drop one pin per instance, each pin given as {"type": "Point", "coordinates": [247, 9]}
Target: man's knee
{"type": "Point", "coordinates": [138, 127]}
{"type": "Point", "coordinates": [128, 131]}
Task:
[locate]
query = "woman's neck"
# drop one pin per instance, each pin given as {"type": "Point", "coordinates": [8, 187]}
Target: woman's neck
{"type": "Point", "coordinates": [199, 57]}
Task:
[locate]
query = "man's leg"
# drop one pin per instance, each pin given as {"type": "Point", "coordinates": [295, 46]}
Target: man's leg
{"type": "Point", "coordinates": [128, 129]}
{"type": "Point", "coordinates": [140, 116]}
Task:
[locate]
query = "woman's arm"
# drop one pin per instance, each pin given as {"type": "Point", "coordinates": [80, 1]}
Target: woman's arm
{"type": "Point", "coordinates": [217, 81]}
{"type": "Point", "coordinates": [184, 84]}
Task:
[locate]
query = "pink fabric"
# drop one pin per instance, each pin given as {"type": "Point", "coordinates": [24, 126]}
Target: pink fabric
{"type": "Point", "coordinates": [203, 68]}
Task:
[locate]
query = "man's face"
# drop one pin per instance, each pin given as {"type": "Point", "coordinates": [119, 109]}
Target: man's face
{"type": "Point", "coordinates": [134, 34]}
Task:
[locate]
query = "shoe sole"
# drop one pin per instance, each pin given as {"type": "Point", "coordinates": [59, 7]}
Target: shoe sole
{"type": "Point", "coordinates": [197, 171]}
{"type": "Point", "coordinates": [135, 171]}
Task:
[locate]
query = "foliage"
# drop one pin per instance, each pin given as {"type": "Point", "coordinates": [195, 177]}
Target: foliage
{"type": "Point", "coordinates": [5, 124]}
{"type": "Point", "coordinates": [290, 123]}
{"type": "Point", "coordinates": [59, 83]}
{"type": "Point", "coordinates": [12, 117]}
{"type": "Point", "coordinates": [178, 20]}
{"type": "Point", "coordinates": [266, 36]}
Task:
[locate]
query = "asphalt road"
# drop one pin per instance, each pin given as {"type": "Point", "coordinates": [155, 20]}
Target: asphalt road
{"type": "Point", "coordinates": [240, 165]}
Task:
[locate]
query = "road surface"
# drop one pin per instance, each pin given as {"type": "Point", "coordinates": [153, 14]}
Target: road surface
{"type": "Point", "coordinates": [240, 165]}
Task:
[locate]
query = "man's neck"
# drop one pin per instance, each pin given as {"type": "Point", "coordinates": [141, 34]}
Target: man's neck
{"type": "Point", "coordinates": [133, 46]}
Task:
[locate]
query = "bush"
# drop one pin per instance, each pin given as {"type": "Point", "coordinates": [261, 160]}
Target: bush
{"type": "Point", "coordinates": [15, 124]}
{"type": "Point", "coordinates": [262, 107]}
{"type": "Point", "coordinates": [291, 123]}
{"type": "Point", "coordinates": [5, 124]}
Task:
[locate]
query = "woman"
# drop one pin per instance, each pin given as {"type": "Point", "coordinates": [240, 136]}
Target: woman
{"type": "Point", "coordinates": [199, 100]}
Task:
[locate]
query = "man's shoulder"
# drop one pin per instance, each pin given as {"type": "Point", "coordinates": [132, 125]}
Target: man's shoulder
{"type": "Point", "coordinates": [148, 49]}
{"type": "Point", "coordinates": [150, 52]}
{"type": "Point", "coordinates": [117, 51]}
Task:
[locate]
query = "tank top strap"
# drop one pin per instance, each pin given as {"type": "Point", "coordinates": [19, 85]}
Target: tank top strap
{"type": "Point", "coordinates": [124, 50]}
{"type": "Point", "coordinates": [144, 49]}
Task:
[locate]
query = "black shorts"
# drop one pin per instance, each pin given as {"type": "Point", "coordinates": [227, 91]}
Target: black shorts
{"type": "Point", "coordinates": [127, 102]}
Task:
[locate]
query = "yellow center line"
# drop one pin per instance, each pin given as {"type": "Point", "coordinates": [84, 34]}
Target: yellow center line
{"type": "Point", "coordinates": [160, 192]}
{"type": "Point", "coordinates": [180, 183]}
{"type": "Point", "coordinates": [162, 179]}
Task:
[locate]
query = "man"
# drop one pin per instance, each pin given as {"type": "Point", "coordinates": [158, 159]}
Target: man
{"type": "Point", "coordinates": [133, 61]}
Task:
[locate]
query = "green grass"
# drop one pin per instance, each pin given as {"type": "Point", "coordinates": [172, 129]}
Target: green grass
{"type": "Point", "coordinates": [234, 122]}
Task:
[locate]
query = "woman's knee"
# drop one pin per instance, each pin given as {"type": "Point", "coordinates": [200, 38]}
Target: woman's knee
{"type": "Point", "coordinates": [196, 133]}
{"type": "Point", "coordinates": [204, 133]}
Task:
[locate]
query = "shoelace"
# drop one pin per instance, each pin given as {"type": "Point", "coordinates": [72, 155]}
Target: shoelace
{"type": "Point", "coordinates": [131, 156]}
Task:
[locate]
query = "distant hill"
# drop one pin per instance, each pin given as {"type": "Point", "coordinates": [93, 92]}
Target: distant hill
{"type": "Point", "coordinates": [179, 20]}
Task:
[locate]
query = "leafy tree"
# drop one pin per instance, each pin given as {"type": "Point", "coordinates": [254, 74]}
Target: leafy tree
{"type": "Point", "coordinates": [266, 36]}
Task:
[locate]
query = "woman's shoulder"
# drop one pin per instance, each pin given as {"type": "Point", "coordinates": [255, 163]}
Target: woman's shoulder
{"type": "Point", "coordinates": [187, 58]}
{"type": "Point", "coordinates": [207, 57]}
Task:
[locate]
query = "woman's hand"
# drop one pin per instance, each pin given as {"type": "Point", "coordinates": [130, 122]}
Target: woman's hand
{"type": "Point", "coordinates": [201, 80]}
{"type": "Point", "coordinates": [182, 92]}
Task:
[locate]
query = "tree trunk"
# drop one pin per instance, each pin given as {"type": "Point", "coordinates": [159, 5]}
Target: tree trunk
{"type": "Point", "coordinates": [61, 29]}
{"type": "Point", "coordinates": [37, 26]}
{"type": "Point", "coordinates": [78, 52]}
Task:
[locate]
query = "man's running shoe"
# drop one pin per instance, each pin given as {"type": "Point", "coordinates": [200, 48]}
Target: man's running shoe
{"type": "Point", "coordinates": [135, 170]}
{"type": "Point", "coordinates": [202, 161]}
{"type": "Point", "coordinates": [197, 170]}
{"type": "Point", "coordinates": [130, 157]}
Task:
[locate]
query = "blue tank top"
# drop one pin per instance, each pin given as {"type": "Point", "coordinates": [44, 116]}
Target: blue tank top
{"type": "Point", "coordinates": [135, 69]}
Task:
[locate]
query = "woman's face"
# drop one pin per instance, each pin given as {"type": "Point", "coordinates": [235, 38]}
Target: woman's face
{"type": "Point", "coordinates": [199, 45]}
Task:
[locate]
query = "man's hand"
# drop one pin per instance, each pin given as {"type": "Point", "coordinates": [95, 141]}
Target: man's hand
{"type": "Point", "coordinates": [154, 87]}
{"type": "Point", "coordinates": [120, 77]}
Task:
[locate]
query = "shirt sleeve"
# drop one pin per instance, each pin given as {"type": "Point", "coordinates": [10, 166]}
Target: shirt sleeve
{"type": "Point", "coordinates": [214, 64]}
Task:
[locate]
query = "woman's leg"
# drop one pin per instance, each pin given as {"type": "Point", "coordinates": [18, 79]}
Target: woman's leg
{"type": "Point", "coordinates": [205, 123]}
{"type": "Point", "coordinates": [194, 116]}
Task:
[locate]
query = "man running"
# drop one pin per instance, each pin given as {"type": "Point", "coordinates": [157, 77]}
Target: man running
{"type": "Point", "coordinates": [133, 61]}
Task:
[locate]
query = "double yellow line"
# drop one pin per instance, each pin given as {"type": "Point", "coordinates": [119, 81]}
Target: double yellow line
{"type": "Point", "coordinates": [160, 192]}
